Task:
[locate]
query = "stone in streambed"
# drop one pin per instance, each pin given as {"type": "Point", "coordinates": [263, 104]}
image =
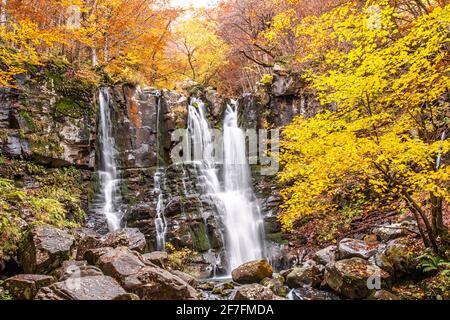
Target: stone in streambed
{"type": "Point", "coordinates": [26, 286]}
{"type": "Point", "coordinates": [252, 272]}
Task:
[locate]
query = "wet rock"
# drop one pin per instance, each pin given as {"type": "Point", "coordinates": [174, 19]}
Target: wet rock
{"type": "Point", "coordinates": [326, 255]}
{"type": "Point", "coordinates": [86, 288]}
{"type": "Point", "coordinates": [254, 291]}
{"type": "Point", "coordinates": [285, 273]}
{"type": "Point", "coordinates": [128, 237]}
{"type": "Point", "coordinates": [310, 275]}
{"type": "Point", "coordinates": [120, 263]}
{"type": "Point", "coordinates": [192, 281]}
{"type": "Point", "coordinates": [153, 283]}
{"type": "Point", "coordinates": [159, 258]}
{"type": "Point", "coordinates": [307, 293]}
{"type": "Point", "coordinates": [45, 249]}
{"type": "Point", "coordinates": [272, 225]}
{"type": "Point", "coordinates": [26, 286]}
{"type": "Point", "coordinates": [252, 272]}
{"type": "Point", "coordinates": [383, 295]}
{"type": "Point", "coordinates": [349, 248]}
{"type": "Point", "coordinates": [355, 278]}
{"type": "Point", "coordinates": [276, 285]}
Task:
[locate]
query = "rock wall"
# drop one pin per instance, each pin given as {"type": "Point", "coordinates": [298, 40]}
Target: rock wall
{"type": "Point", "coordinates": [41, 122]}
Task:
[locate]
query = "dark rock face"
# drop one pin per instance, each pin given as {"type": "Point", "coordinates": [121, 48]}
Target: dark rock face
{"type": "Point", "coordinates": [39, 123]}
{"type": "Point", "coordinates": [120, 263]}
{"type": "Point", "coordinates": [45, 249]}
{"type": "Point", "coordinates": [26, 286]}
{"type": "Point", "coordinates": [252, 272]}
{"type": "Point", "coordinates": [86, 288]}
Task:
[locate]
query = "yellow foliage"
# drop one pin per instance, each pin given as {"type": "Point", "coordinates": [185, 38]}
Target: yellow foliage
{"type": "Point", "coordinates": [387, 85]}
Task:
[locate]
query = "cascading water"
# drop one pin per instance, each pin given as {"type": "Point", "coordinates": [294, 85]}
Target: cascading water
{"type": "Point", "coordinates": [110, 199]}
{"type": "Point", "coordinates": [242, 216]}
{"type": "Point", "coordinates": [235, 200]}
{"type": "Point", "coordinates": [160, 220]}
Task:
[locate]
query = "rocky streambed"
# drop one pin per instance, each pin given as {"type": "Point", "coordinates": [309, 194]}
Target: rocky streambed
{"type": "Point", "coordinates": [83, 265]}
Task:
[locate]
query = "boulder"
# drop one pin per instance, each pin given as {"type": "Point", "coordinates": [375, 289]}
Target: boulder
{"type": "Point", "coordinates": [310, 275]}
{"type": "Point", "coordinates": [192, 281]}
{"type": "Point", "coordinates": [120, 263]}
{"type": "Point", "coordinates": [276, 285]}
{"type": "Point", "coordinates": [158, 258]}
{"type": "Point", "coordinates": [284, 85]}
{"type": "Point", "coordinates": [127, 237]}
{"type": "Point", "coordinates": [395, 230]}
{"type": "Point", "coordinates": [252, 272]}
{"type": "Point", "coordinates": [383, 295]}
{"type": "Point", "coordinates": [349, 248]}
{"type": "Point", "coordinates": [254, 291]}
{"type": "Point", "coordinates": [326, 255]}
{"type": "Point", "coordinates": [87, 241]}
{"type": "Point", "coordinates": [86, 288]}
{"type": "Point", "coordinates": [26, 286]}
{"type": "Point", "coordinates": [308, 293]}
{"type": "Point", "coordinates": [45, 249]}
{"type": "Point", "coordinates": [92, 255]}
{"type": "Point", "coordinates": [355, 278]}
{"type": "Point", "coordinates": [397, 259]}
{"type": "Point", "coordinates": [76, 269]}
{"type": "Point", "coordinates": [153, 283]}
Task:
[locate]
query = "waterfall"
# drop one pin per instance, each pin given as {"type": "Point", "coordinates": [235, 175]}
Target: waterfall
{"type": "Point", "coordinates": [108, 173]}
{"type": "Point", "coordinates": [234, 198]}
{"type": "Point", "coordinates": [242, 216]}
{"type": "Point", "coordinates": [160, 220]}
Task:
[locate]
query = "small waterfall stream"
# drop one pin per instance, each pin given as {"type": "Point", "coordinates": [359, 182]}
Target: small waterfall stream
{"type": "Point", "coordinates": [109, 197]}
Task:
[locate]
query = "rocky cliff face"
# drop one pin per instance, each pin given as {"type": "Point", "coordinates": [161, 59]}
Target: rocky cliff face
{"type": "Point", "coordinates": [53, 122]}
{"type": "Point", "coordinates": [48, 122]}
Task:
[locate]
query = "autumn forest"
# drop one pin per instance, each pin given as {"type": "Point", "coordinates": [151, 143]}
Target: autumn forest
{"type": "Point", "coordinates": [353, 97]}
